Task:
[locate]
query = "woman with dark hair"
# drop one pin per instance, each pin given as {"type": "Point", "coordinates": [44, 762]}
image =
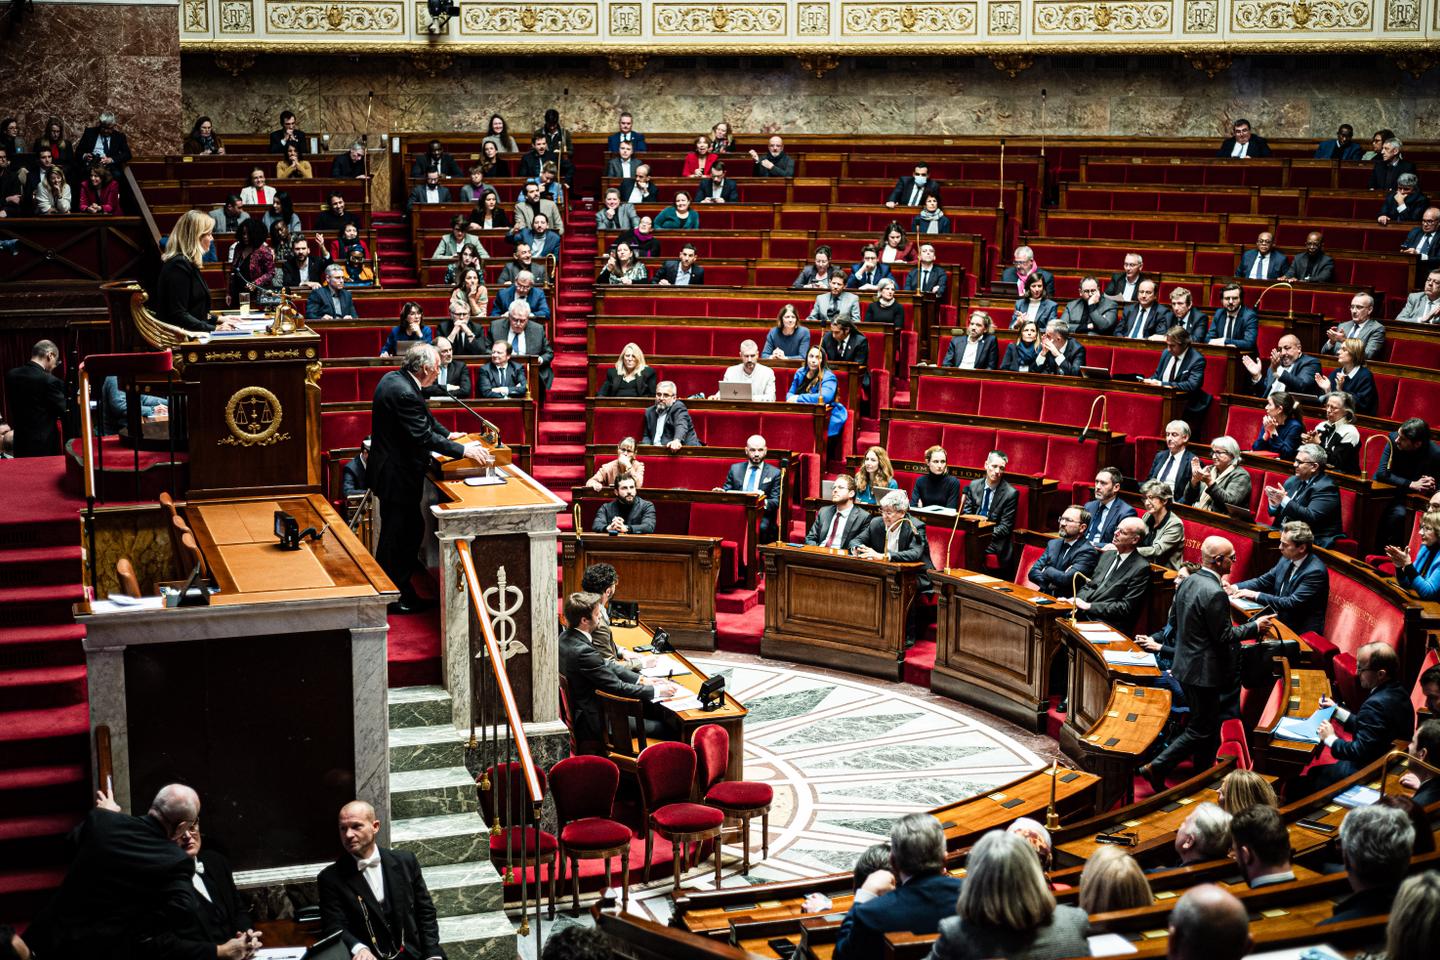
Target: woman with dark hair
{"type": "Point", "coordinates": [642, 238]}
{"type": "Point", "coordinates": [815, 383]}
{"type": "Point", "coordinates": [895, 245]}
{"type": "Point", "coordinates": [467, 257]}
{"type": "Point", "coordinates": [349, 237]}
{"type": "Point", "coordinates": [623, 267]}
{"type": "Point", "coordinates": [699, 161]}
{"type": "Point", "coordinates": [252, 261]}
{"type": "Point", "coordinates": [789, 338]}
{"type": "Point", "coordinates": [500, 135]}
{"type": "Point", "coordinates": [281, 244]}
{"type": "Point", "coordinates": [488, 214]}
{"type": "Point", "coordinates": [203, 139]}
{"type": "Point", "coordinates": [99, 193]}
{"type": "Point", "coordinates": [282, 210]}
{"type": "Point", "coordinates": [1281, 426]}
{"type": "Point", "coordinates": [10, 138]}
{"type": "Point", "coordinates": [1035, 305]}
{"type": "Point", "coordinates": [293, 166]}
{"type": "Point", "coordinates": [1377, 140]}
{"type": "Point", "coordinates": [491, 162]}
{"type": "Point", "coordinates": [1022, 355]}
{"type": "Point", "coordinates": [412, 326]}
{"type": "Point", "coordinates": [930, 219]}
{"type": "Point", "coordinates": [61, 150]}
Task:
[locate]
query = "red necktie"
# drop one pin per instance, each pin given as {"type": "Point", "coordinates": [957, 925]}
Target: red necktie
{"type": "Point", "coordinates": [834, 530]}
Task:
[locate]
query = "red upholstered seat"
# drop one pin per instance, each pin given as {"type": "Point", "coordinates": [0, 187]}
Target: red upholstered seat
{"type": "Point", "coordinates": [1354, 617]}
{"type": "Point", "coordinates": [666, 772]}
{"type": "Point", "coordinates": [594, 832]}
{"type": "Point", "coordinates": [1029, 553]}
{"type": "Point", "coordinates": [687, 817]}
{"type": "Point", "coordinates": [1011, 400]}
{"type": "Point", "coordinates": [734, 798]}
{"type": "Point", "coordinates": [909, 440]}
{"type": "Point", "coordinates": [1234, 744]}
{"type": "Point", "coordinates": [521, 841]}
{"type": "Point", "coordinates": [740, 793]}
{"type": "Point", "coordinates": [1069, 462]}
{"type": "Point", "coordinates": [965, 446]}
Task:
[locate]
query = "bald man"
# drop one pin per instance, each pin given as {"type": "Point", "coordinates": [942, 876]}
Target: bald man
{"type": "Point", "coordinates": [128, 882]}
{"type": "Point", "coordinates": [1289, 370]}
{"type": "Point", "coordinates": [1209, 923]}
{"type": "Point", "coordinates": [756, 476]}
{"type": "Point", "coordinates": [375, 897]}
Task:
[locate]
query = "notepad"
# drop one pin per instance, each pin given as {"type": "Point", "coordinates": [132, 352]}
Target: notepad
{"type": "Point", "coordinates": [1106, 636]}
{"type": "Point", "coordinates": [1110, 945]}
{"type": "Point", "coordinates": [1305, 730]}
{"type": "Point", "coordinates": [681, 704]}
{"type": "Point", "coordinates": [981, 578]}
{"type": "Point", "coordinates": [1129, 658]}
{"type": "Point", "coordinates": [666, 668]}
{"type": "Point", "coordinates": [1358, 796]}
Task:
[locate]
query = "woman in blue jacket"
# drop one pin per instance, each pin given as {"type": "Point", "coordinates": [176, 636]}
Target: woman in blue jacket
{"type": "Point", "coordinates": [1281, 426]}
{"type": "Point", "coordinates": [814, 383]}
{"type": "Point", "coordinates": [1421, 577]}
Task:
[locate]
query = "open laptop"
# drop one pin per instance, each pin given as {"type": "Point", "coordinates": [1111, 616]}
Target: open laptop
{"type": "Point", "coordinates": [1103, 373]}
{"type": "Point", "coordinates": [402, 347]}
{"type": "Point", "coordinates": [733, 390]}
{"type": "Point", "coordinates": [1240, 512]}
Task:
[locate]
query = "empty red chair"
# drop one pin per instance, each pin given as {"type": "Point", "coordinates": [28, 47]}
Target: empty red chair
{"type": "Point", "coordinates": [738, 799]}
{"type": "Point", "coordinates": [519, 842]}
{"type": "Point", "coordinates": [1234, 744]}
{"type": "Point", "coordinates": [666, 772]}
{"type": "Point", "coordinates": [584, 793]}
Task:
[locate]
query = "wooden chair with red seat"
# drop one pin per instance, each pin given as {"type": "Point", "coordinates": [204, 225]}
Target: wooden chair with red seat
{"type": "Point", "coordinates": [737, 799]}
{"type": "Point", "coordinates": [519, 842]}
{"type": "Point", "coordinates": [667, 774]}
{"type": "Point", "coordinates": [583, 789]}
{"type": "Point", "coordinates": [622, 730]}
{"type": "Point", "coordinates": [129, 583]}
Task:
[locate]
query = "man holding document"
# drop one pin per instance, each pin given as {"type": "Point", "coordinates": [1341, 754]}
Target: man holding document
{"type": "Point", "coordinates": [1386, 716]}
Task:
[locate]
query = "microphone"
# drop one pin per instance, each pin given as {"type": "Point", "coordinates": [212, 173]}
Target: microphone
{"type": "Point", "coordinates": [1074, 591]}
{"type": "Point", "coordinates": [488, 432]}
{"type": "Point", "coordinates": [1100, 400]}
{"type": "Point", "coordinates": [1042, 122]}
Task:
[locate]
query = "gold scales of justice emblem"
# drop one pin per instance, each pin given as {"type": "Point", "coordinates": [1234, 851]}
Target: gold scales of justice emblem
{"type": "Point", "coordinates": [254, 415]}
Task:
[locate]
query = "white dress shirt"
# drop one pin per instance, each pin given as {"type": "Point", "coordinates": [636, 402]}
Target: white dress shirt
{"type": "Point", "coordinates": [369, 868]}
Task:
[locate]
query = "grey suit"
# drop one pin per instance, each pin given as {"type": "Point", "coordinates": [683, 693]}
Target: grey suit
{"type": "Point", "coordinates": [585, 670]}
{"type": "Point", "coordinates": [1084, 318]}
{"type": "Point", "coordinates": [846, 305]}
{"type": "Point", "coordinates": [1417, 305]}
{"type": "Point", "coordinates": [1116, 590]}
{"type": "Point", "coordinates": [1373, 334]}
{"type": "Point", "coordinates": [1231, 487]}
{"type": "Point", "coordinates": [624, 218]}
{"type": "Point", "coordinates": [1063, 936]}
{"type": "Point", "coordinates": [1164, 545]}
{"type": "Point", "coordinates": [1003, 504]}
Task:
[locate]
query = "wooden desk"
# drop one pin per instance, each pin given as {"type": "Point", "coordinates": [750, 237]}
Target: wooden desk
{"type": "Point", "coordinates": [672, 578]}
{"type": "Point", "coordinates": [1133, 720]}
{"type": "Point", "coordinates": [966, 821]}
{"type": "Point", "coordinates": [730, 715]}
{"type": "Point", "coordinates": [805, 589]}
{"type": "Point", "coordinates": [994, 644]}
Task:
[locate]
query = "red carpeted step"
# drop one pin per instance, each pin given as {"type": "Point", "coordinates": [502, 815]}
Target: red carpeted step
{"type": "Point", "coordinates": [736, 601]}
{"type": "Point", "coordinates": [919, 663]}
{"type": "Point", "coordinates": [414, 649]}
{"type": "Point", "coordinates": [23, 893]}
{"type": "Point", "coordinates": [50, 722]}
{"type": "Point", "coordinates": [46, 603]}
{"type": "Point", "coordinates": [561, 431]}
{"type": "Point", "coordinates": [739, 632]}
{"type": "Point", "coordinates": [37, 839]}
{"type": "Point", "coordinates": [20, 566]}
{"type": "Point", "coordinates": [561, 453]}
{"type": "Point", "coordinates": [557, 476]}
{"type": "Point", "coordinates": [31, 688]}
{"type": "Point", "coordinates": [44, 791]}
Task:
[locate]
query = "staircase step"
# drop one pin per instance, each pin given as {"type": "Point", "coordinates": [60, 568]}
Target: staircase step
{"type": "Point", "coordinates": [424, 748]}
{"type": "Point", "coordinates": [26, 566]}
{"type": "Point", "coordinates": [35, 645]}
{"type": "Point", "coordinates": [558, 475]}
{"type": "Point", "coordinates": [41, 790]}
{"type": "Point", "coordinates": [453, 838]}
{"type": "Point", "coordinates": [479, 936]}
{"type": "Point", "coordinates": [53, 529]}
{"type": "Point", "coordinates": [42, 603]}
{"type": "Point", "coordinates": [426, 793]}
{"type": "Point", "coordinates": [461, 888]}
{"type": "Point", "coordinates": [37, 839]}
{"type": "Point", "coordinates": [32, 688]}
{"type": "Point", "coordinates": [419, 706]}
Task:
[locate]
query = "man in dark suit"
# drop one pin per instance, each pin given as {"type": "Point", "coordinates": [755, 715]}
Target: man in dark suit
{"type": "Point", "coordinates": [977, 344]}
{"type": "Point", "coordinates": [775, 162]}
{"type": "Point", "coordinates": [913, 896]}
{"type": "Point", "coordinates": [1314, 265]}
{"type": "Point", "coordinates": [1126, 284]}
{"type": "Point", "coordinates": [543, 241]}
{"type": "Point", "coordinates": [1207, 657]}
{"type": "Point", "coordinates": [104, 145]}
{"type": "Point", "coordinates": [866, 274]}
{"type": "Point", "coordinates": [1054, 571]}
{"type": "Point", "coordinates": [431, 191]}
{"type": "Point", "coordinates": [1234, 324]}
{"type": "Point", "coordinates": [927, 276]}
{"type": "Point", "coordinates": [1060, 353]}
{"type": "Point", "coordinates": [1423, 242]}
{"type": "Point", "coordinates": [351, 165]}
{"type": "Point", "coordinates": [289, 133]}
{"type": "Point", "coordinates": [1309, 496]}
{"type": "Point", "coordinates": [453, 378]}
{"type": "Point", "coordinates": [626, 134]}
{"type": "Point", "coordinates": [1410, 461]}
{"type": "Point", "coordinates": [587, 670]}
{"type": "Point", "coordinates": [403, 436]}
{"type": "Point", "coordinates": [219, 926]}
{"type": "Point", "coordinates": [1263, 261]}
{"type": "Point", "coordinates": [525, 336]}
{"type": "Point", "coordinates": [667, 422]}
{"type": "Point", "coordinates": [1107, 509]}
{"type": "Point", "coordinates": [335, 217]}
{"type": "Point", "coordinates": [1145, 319]}
{"type": "Point", "coordinates": [127, 882]}
{"type": "Point", "coordinates": [1386, 715]}
{"type": "Point", "coordinates": [627, 513]}
{"type": "Point", "coordinates": [1182, 304]}
{"type": "Point", "coordinates": [717, 189]}
{"type": "Point", "coordinates": [37, 400]}
{"type": "Point", "coordinates": [1242, 144]}
{"type": "Point", "coordinates": [995, 500]}
{"type": "Point", "coordinates": [640, 188]}
{"type": "Point", "coordinates": [375, 897]}
{"type": "Point", "coordinates": [1092, 311]}
{"type": "Point", "coordinates": [1404, 203]}
{"type": "Point", "coordinates": [911, 191]}
{"type": "Point", "coordinates": [502, 377]}
{"type": "Point", "coordinates": [355, 479]}
{"type": "Point", "coordinates": [1182, 368]}
{"type": "Point", "coordinates": [532, 162]}
{"type": "Point", "coordinates": [1424, 745]}
{"type": "Point", "coordinates": [303, 271]}
{"type": "Point", "coordinates": [841, 523]}
{"type": "Point", "coordinates": [1297, 588]}
{"type": "Point", "coordinates": [682, 272]}
{"type": "Point", "coordinates": [1376, 844]}
{"type": "Point", "coordinates": [332, 301]}
{"type": "Point", "coordinates": [760, 478]}
{"type": "Point", "coordinates": [1289, 370]}
{"type": "Point", "coordinates": [1172, 464]}
{"type": "Point", "coordinates": [1389, 166]}
{"type": "Point", "coordinates": [522, 291]}
{"type": "Point", "coordinates": [1018, 273]}
{"type": "Point", "coordinates": [623, 167]}
{"type": "Point", "coordinates": [435, 158]}
{"type": "Point", "coordinates": [1116, 590]}
{"type": "Point", "coordinates": [817, 275]}
{"type": "Point", "coordinates": [1340, 147]}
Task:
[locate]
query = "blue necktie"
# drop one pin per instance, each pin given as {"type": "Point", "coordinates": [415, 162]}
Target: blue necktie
{"type": "Point", "coordinates": [985, 504]}
{"type": "Point", "coordinates": [752, 477]}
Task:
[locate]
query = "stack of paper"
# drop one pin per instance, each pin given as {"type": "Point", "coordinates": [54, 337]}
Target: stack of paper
{"type": "Point", "coordinates": [663, 669]}
{"type": "Point", "coordinates": [982, 579]}
{"type": "Point", "coordinates": [1358, 796]}
{"type": "Point", "coordinates": [1303, 731]}
{"type": "Point", "coordinates": [1129, 658]}
{"type": "Point", "coordinates": [686, 701]}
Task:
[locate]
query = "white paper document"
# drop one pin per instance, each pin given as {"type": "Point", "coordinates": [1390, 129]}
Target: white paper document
{"type": "Point", "coordinates": [1129, 658]}
{"type": "Point", "coordinates": [119, 603]}
{"type": "Point", "coordinates": [1110, 945]}
{"type": "Point", "coordinates": [681, 704]}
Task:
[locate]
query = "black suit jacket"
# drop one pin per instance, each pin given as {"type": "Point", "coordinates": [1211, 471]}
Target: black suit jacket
{"type": "Point", "coordinates": [320, 303]}
{"type": "Point", "coordinates": [1412, 242]}
{"type": "Point", "coordinates": [314, 272]}
{"type": "Point", "coordinates": [678, 425]}
{"type": "Point", "coordinates": [1207, 644]}
{"type": "Point", "coordinates": [855, 526]}
{"type": "Point", "coordinates": [728, 191]}
{"type": "Point", "coordinates": [1182, 474]}
{"type": "Point", "coordinates": [36, 401]}
{"type": "Point", "coordinates": [1384, 175]}
{"type": "Point", "coordinates": [769, 483]}
{"type": "Point", "coordinates": [906, 186]}
{"type": "Point", "coordinates": [1057, 578]}
{"type": "Point", "coordinates": [126, 883]}
{"type": "Point", "coordinates": [671, 269]}
{"type": "Point", "coordinates": [182, 299]}
{"type": "Point", "coordinates": [1069, 366]}
{"type": "Point", "coordinates": [403, 433]}
{"type": "Point", "coordinates": [1373, 902]}
{"type": "Point", "coordinates": [1116, 286]}
{"type": "Point", "coordinates": [407, 918]}
{"type": "Point", "coordinates": [1300, 378]}
{"type": "Point", "coordinates": [119, 150]}
{"type": "Point", "coordinates": [913, 546]}
{"type": "Point", "coordinates": [1258, 147]}
{"type": "Point", "coordinates": [1117, 595]}
{"type": "Point", "coordinates": [1317, 269]}
{"type": "Point", "coordinates": [1003, 503]}
{"type": "Point", "coordinates": [1415, 205]}
{"type": "Point", "coordinates": [1189, 377]}
{"type": "Point", "coordinates": [586, 670]}
{"type": "Point", "coordinates": [488, 379]}
{"type": "Point", "coordinates": [917, 906]}
{"type": "Point", "coordinates": [424, 163]}
{"type": "Point", "coordinates": [456, 375]}
{"type": "Point", "coordinates": [1386, 715]}
{"type": "Point", "coordinates": [536, 345]}
{"type": "Point", "coordinates": [627, 188]}
{"type": "Point", "coordinates": [1159, 321]}
{"type": "Point", "coordinates": [1009, 276]}
{"type": "Point", "coordinates": [354, 479]}
{"type": "Point", "coordinates": [1302, 601]}
{"type": "Point", "coordinates": [641, 518]}
{"type": "Point", "coordinates": [1274, 269]}
{"type": "Point", "coordinates": [277, 144]}
{"type": "Point", "coordinates": [212, 921]}
{"type": "Point", "coordinates": [987, 358]}
{"type": "Point", "coordinates": [1318, 505]}
{"type": "Point", "coordinates": [1101, 533]}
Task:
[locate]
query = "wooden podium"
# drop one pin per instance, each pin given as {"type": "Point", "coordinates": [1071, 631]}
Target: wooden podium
{"type": "Point", "coordinates": [672, 578]}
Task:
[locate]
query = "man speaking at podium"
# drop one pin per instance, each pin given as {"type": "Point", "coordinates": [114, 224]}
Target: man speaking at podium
{"type": "Point", "coordinates": [403, 433]}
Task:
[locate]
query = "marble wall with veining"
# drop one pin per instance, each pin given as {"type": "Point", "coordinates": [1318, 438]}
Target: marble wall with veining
{"type": "Point", "coordinates": [74, 60]}
{"type": "Point", "coordinates": [1158, 96]}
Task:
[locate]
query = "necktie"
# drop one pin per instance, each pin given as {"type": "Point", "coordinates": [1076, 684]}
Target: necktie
{"type": "Point", "coordinates": [444, 375]}
{"type": "Point", "coordinates": [1100, 524]}
{"type": "Point", "coordinates": [985, 504]}
{"type": "Point", "coordinates": [752, 478]}
{"type": "Point", "coordinates": [503, 371]}
{"type": "Point", "coordinates": [1285, 580]}
{"type": "Point", "coordinates": [915, 196]}
{"type": "Point", "coordinates": [1423, 247]}
{"type": "Point", "coordinates": [515, 343]}
{"type": "Point", "coordinates": [1170, 370]}
{"type": "Point", "coordinates": [1257, 272]}
{"type": "Point", "coordinates": [924, 279]}
{"type": "Point", "coordinates": [1225, 327]}
{"type": "Point", "coordinates": [1141, 318]}
{"type": "Point", "coordinates": [834, 530]}
{"type": "Point", "coordinates": [1169, 468]}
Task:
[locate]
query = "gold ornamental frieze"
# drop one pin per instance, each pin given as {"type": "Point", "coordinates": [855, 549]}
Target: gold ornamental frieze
{"type": "Point", "coordinates": [1066, 16]}
{"type": "Point", "coordinates": [253, 416]}
{"type": "Point", "coordinates": [744, 19]}
{"type": "Point", "coordinates": [1270, 16]}
{"type": "Point", "coordinates": [525, 19]}
{"type": "Point", "coordinates": [903, 19]}
{"type": "Point", "coordinates": [375, 17]}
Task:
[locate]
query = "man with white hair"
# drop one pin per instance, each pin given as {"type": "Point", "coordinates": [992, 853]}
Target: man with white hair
{"type": "Point", "coordinates": [896, 536]}
{"type": "Point", "coordinates": [667, 422]}
{"type": "Point", "coordinates": [750, 370]}
{"type": "Point", "coordinates": [1019, 273]}
{"type": "Point", "coordinates": [1390, 166]}
{"type": "Point", "coordinates": [526, 338]}
{"type": "Point", "coordinates": [332, 301]}
{"type": "Point", "coordinates": [403, 435]}
{"type": "Point", "coordinates": [1361, 326]}
{"type": "Point", "coordinates": [524, 291]}
{"type": "Point", "coordinates": [1203, 835]}
{"type": "Point", "coordinates": [1376, 843]}
{"type": "Point", "coordinates": [914, 895]}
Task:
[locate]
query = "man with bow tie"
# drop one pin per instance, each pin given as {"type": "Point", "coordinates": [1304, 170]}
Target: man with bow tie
{"type": "Point", "coordinates": [375, 897]}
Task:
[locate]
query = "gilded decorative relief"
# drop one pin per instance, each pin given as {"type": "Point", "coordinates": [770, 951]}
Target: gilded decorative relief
{"type": "Point", "coordinates": [1005, 18]}
{"type": "Point", "coordinates": [1255, 16]}
{"type": "Point", "coordinates": [385, 17]}
{"type": "Point", "coordinates": [625, 19]}
{"type": "Point", "coordinates": [725, 18]}
{"type": "Point", "coordinates": [1064, 16]}
{"type": "Point", "coordinates": [1402, 14]}
{"type": "Point", "coordinates": [197, 16]}
{"type": "Point", "coordinates": [237, 16]}
{"type": "Point", "coordinates": [518, 19]}
{"type": "Point", "coordinates": [1202, 16]}
{"type": "Point", "coordinates": [813, 18]}
{"type": "Point", "coordinates": [890, 19]}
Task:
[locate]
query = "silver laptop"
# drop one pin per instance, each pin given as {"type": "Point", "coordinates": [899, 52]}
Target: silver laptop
{"type": "Point", "coordinates": [826, 488]}
{"type": "Point", "coordinates": [733, 390]}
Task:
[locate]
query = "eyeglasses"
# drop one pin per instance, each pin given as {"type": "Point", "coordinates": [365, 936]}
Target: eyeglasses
{"type": "Point", "coordinates": [185, 828]}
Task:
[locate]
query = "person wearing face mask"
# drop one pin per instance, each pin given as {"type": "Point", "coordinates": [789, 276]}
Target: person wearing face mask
{"type": "Point", "coordinates": [911, 191]}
